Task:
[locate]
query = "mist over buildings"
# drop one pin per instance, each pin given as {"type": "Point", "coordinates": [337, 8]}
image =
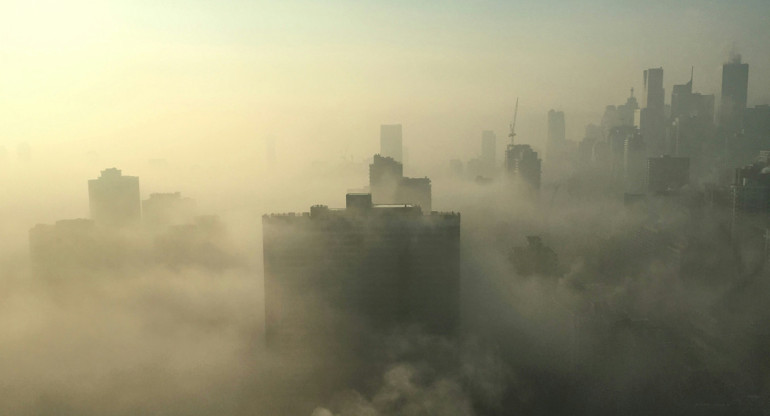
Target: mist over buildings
{"type": "Point", "coordinates": [356, 208]}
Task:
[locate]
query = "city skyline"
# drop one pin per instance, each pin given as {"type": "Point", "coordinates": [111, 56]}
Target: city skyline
{"type": "Point", "coordinates": [385, 208]}
{"type": "Point", "coordinates": [257, 68]}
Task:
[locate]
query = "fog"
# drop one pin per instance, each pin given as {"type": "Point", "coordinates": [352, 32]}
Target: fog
{"type": "Point", "coordinates": [589, 292]}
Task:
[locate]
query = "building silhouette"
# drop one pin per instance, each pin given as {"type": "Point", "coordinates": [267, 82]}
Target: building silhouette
{"type": "Point", "coordinates": [389, 186]}
{"type": "Point", "coordinates": [78, 245]}
{"type": "Point", "coordinates": [522, 163]}
{"type": "Point", "coordinates": [114, 199]}
{"type": "Point", "coordinates": [653, 116]}
{"type": "Point", "coordinates": [385, 266]}
{"type": "Point", "coordinates": [391, 142]}
{"type": "Point", "coordinates": [556, 133]}
{"type": "Point", "coordinates": [750, 216]}
{"type": "Point", "coordinates": [488, 147]}
{"type": "Point", "coordinates": [667, 174]}
{"type": "Point", "coordinates": [735, 85]}
{"type": "Point", "coordinates": [634, 162]}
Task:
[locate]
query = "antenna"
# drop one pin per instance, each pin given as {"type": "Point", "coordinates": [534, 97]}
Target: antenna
{"type": "Point", "coordinates": [512, 134]}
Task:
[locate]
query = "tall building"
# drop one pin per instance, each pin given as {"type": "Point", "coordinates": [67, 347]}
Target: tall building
{"type": "Point", "coordinates": [390, 142]}
{"type": "Point", "coordinates": [488, 147]}
{"type": "Point", "coordinates": [667, 174]}
{"type": "Point", "coordinates": [750, 219]}
{"type": "Point", "coordinates": [389, 186]}
{"type": "Point", "coordinates": [522, 162]}
{"type": "Point", "coordinates": [114, 199]}
{"type": "Point", "coordinates": [653, 116]}
{"type": "Point", "coordinates": [385, 174]}
{"type": "Point", "coordinates": [626, 113]}
{"type": "Point", "coordinates": [735, 85]}
{"type": "Point", "coordinates": [383, 266]}
{"type": "Point", "coordinates": [556, 132]}
{"type": "Point", "coordinates": [634, 167]}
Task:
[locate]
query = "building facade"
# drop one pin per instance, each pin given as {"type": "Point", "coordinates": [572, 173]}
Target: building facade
{"type": "Point", "coordinates": [383, 266]}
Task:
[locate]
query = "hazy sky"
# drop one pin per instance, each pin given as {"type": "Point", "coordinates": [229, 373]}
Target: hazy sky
{"type": "Point", "coordinates": [212, 80]}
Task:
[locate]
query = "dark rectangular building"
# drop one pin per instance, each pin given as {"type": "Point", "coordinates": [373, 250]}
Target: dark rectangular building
{"type": "Point", "coordinates": [383, 266]}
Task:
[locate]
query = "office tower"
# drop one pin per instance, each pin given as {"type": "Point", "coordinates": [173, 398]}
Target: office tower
{"type": "Point", "coordinates": [735, 85]}
{"type": "Point", "coordinates": [388, 185]}
{"type": "Point", "coordinates": [667, 174]}
{"type": "Point", "coordinates": [385, 175]}
{"type": "Point", "coordinates": [751, 214]}
{"type": "Point", "coordinates": [653, 87]}
{"type": "Point", "coordinates": [114, 199]}
{"type": "Point", "coordinates": [653, 116]}
{"type": "Point", "coordinates": [556, 135]}
{"type": "Point", "coordinates": [556, 126]}
{"type": "Point", "coordinates": [383, 266]}
{"type": "Point", "coordinates": [488, 147]}
{"type": "Point", "coordinates": [686, 103]}
{"type": "Point", "coordinates": [635, 168]}
{"type": "Point", "coordinates": [390, 142]}
{"type": "Point", "coordinates": [616, 140]}
{"type": "Point", "coordinates": [522, 162]}
{"type": "Point", "coordinates": [626, 113]}
{"type": "Point", "coordinates": [165, 209]}
{"type": "Point", "coordinates": [681, 99]}
{"type": "Point", "coordinates": [415, 191]}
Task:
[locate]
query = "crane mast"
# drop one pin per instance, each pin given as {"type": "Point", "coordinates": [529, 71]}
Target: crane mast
{"type": "Point", "coordinates": [512, 134]}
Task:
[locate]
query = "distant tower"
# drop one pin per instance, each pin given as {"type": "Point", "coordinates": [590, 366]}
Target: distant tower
{"type": "Point", "coordinates": [681, 99]}
{"type": "Point", "coordinates": [626, 113]}
{"type": "Point", "coordinates": [523, 163]}
{"type": "Point", "coordinates": [654, 114]}
{"type": "Point", "coordinates": [114, 199]}
{"type": "Point", "coordinates": [556, 133]}
{"type": "Point", "coordinates": [735, 84]}
{"type": "Point", "coordinates": [391, 142]}
{"type": "Point", "coordinates": [385, 175]}
{"type": "Point", "coordinates": [488, 146]}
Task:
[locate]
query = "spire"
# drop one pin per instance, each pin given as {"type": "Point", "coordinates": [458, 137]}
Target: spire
{"type": "Point", "coordinates": [692, 70]}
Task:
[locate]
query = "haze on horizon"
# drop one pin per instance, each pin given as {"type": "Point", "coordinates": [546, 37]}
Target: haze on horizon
{"type": "Point", "coordinates": [210, 82]}
{"type": "Point", "coordinates": [592, 269]}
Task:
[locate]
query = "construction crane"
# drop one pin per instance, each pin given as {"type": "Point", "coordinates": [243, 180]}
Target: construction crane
{"type": "Point", "coordinates": [512, 134]}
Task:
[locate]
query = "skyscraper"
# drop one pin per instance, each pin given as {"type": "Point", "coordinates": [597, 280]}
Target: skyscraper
{"type": "Point", "coordinates": [556, 133]}
{"type": "Point", "coordinates": [653, 116]}
{"type": "Point", "coordinates": [681, 99]}
{"type": "Point", "coordinates": [389, 186]}
{"type": "Point", "coordinates": [390, 142]}
{"type": "Point", "coordinates": [556, 127]}
{"type": "Point", "coordinates": [488, 147]}
{"type": "Point", "coordinates": [114, 199]}
{"type": "Point", "coordinates": [735, 85]}
{"type": "Point", "coordinates": [522, 162]}
{"type": "Point", "coordinates": [667, 174]}
{"type": "Point", "coordinates": [383, 265]}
